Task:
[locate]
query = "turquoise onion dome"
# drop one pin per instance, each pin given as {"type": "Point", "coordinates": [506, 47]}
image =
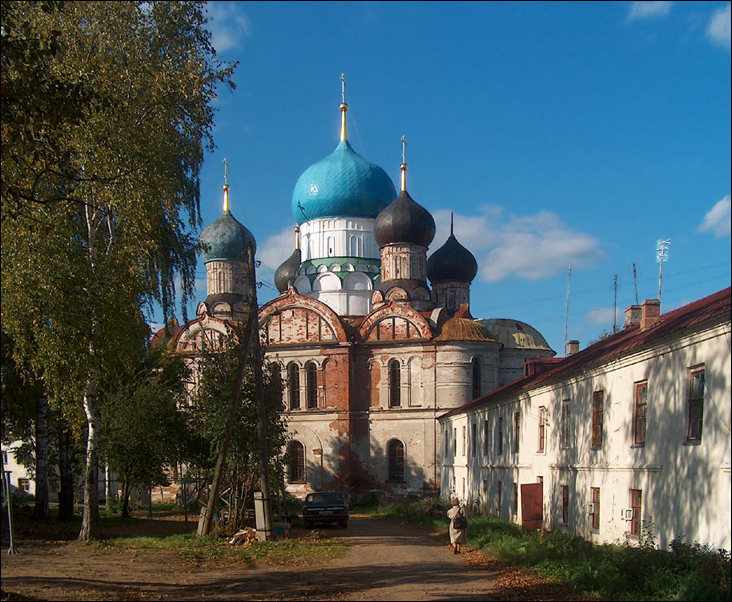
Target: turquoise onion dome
{"type": "Point", "coordinates": [226, 239]}
{"type": "Point", "coordinates": [342, 184]}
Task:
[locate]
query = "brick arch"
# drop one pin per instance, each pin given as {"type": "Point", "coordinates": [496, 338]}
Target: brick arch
{"type": "Point", "coordinates": [294, 318]}
{"type": "Point", "coordinates": [394, 321]}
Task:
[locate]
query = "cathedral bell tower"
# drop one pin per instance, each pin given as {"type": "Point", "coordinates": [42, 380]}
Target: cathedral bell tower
{"type": "Point", "coordinates": [224, 247]}
{"type": "Point", "coordinates": [403, 231]}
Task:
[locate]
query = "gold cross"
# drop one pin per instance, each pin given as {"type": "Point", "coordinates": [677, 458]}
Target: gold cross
{"type": "Point", "coordinates": [404, 149]}
{"type": "Point", "coordinates": [343, 87]}
{"type": "Point", "coordinates": [226, 165]}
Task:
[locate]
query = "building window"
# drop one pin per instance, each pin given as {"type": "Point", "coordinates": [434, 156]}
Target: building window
{"type": "Point", "coordinates": [595, 515]}
{"type": "Point", "coordinates": [515, 498]}
{"type": "Point", "coordinates": [463, 430]}
{"type": "Point", "coordinates": [516, 432]}
{"type": "Point", "coordinates": [446, 442]}
{"type": "Point", "coordinates": [598, 399]}
{"type": "Point", "coordinates": [473, 439]}
{"type": "Point", "coordinates": [394, 384]}
{"type": "Point", "coordinates": [293, 385]}
{"type": "Point", "coordinates": [696, 405]}
{"type": "Point", "coordinates": [542, 429]}
{"type": "Point", "coordinates": [296, 468]}
{"type": "Point", "coordinates": [499, 499]}
{"type": "Point", "coordinates": [311, 385]}
{"type": "Point", "coordinates": [635, 506]}
{"type": "Point", "coordinates": [565, 504]}
{"type": "Point", "coordinates": [566, 432]}
{"type": "Point", "coordinates": [24, 485]}
{"type": "Point", "coordinates": [639, 416]}
{"type": "Point", "coordinates": [395, 454]}
{"type": "Point", "coordinates": [486, 438]}
{"type": "Point", "coordinates": [477, 385]}
{"type": "Point", "coordinates": [454, 442]}
{"type": "Point", "coordinates": [500, 435]}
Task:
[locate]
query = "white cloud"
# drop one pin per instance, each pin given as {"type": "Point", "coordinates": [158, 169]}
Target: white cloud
{"type": "Point", "coordinates": [646, 10]}
{"type": "Point", "coordinates": [532, 247]}
{"type": "Point", "coordinates": [274, 251]}
{"type": "Point", "coordinates": [717, 220]}
{"type": "Point", "coordinates": [603, 315]}
{"type": "Point", "coordinates": [229, 25]}
{"type": "Point", "coordinates": [718, 29]}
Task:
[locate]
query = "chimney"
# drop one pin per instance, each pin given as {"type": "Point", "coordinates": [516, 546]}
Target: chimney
{"type": "Point", "coordinates": [632, 316]}
{"type": "Point", "coordinates": [650, 313]}
{"type": "Point", "coordinates": [572, 347]}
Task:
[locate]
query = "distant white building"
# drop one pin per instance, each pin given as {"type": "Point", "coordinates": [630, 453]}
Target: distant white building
{"type": "Point", "coordinates": [19, 478]}
{"type": "Point", "coordinates": [628, 435]}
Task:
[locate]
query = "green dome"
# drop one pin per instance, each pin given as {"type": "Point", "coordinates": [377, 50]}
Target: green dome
{"type": "Point", "coordinates": [515, 334]}
{"type": "Point", "coordinates": [225, 240]}
{"type": "Point", "coordinates": [341, 185]}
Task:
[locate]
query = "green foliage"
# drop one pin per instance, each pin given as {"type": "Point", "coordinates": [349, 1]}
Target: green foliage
{"type": "Point", "coordinates": [216, 369]}
{"type": "Point", "coordinates": [107, 111]}
{"type": "Point", "coordinates": [145, 430]}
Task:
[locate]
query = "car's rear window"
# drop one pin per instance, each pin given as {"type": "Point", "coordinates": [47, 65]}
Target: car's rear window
{"type": "Point", "coordinates": [324, 498]}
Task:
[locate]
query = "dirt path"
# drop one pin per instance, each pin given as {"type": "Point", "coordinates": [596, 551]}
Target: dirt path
{"type": "Point", "coordinates": [386, 560]}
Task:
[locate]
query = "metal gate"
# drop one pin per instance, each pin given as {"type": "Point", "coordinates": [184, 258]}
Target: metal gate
{"type": "Point", "coordinates": [532, 505]}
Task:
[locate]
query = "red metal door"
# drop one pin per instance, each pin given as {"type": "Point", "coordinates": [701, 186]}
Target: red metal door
{"type": "Point", "coordinates": [532, 505]}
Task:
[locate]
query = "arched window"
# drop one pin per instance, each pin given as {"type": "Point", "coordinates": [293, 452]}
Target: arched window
{"type": "Point", "coordinates": [293, 386]}
{"type": "Point", "coordinates": [477, 385]}
{"type": "Point", "coordinates": [395, 455]}
{"type": "Point", "coordinates": [394, 384]}
{"type": "Point", "coordinates": [311, 385]}
{"type": "Point", "coordinates": [275, 374]}
{"type": "Point", "coordinates": [296, 459]}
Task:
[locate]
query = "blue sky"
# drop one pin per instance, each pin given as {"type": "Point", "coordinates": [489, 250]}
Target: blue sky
{"type": "Point", "coordinates": [558, 133]}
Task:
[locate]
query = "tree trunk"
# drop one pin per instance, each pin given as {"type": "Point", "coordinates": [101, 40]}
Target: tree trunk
{"type": "Point", "coordinates": [66, 472]}
{"type": "Point", "coordinates": [41, 507]}
{"type": "Point", "coordinates": [90, 519]}
{"type": "Point", "coordinates": [244, 336]}
{"type": "Point", "coordinates": [125, 498]}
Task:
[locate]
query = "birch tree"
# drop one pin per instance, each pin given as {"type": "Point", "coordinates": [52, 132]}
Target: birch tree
{"type": "Point", "coordinates": [106, 116]}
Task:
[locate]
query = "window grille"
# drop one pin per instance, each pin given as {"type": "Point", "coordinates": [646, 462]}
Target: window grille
{"type": "Point", "coordinates": [639, 418]}
{"type": "Point", "coordinates": [696, 405]}
{"type": "Point", "coordinates": [395, 453]}
{"type": "Point", "coordinates": [597, 416]}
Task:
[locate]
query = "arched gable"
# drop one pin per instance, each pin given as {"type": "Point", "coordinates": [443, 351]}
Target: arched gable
{"type": "Point", "coordinates": [295, 319]}
{"type": "Point", "coordinates": [203, 332]}
{"type": "Point", "coordinates": [394, 321]}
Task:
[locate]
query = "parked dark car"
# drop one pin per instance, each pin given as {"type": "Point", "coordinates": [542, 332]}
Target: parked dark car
{"type": "Point", "coordinates": [325, 507]}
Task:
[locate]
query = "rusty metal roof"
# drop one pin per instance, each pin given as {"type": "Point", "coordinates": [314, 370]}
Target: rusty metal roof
{"type": "Point", "coordinates": [464, 329]}
{"type": "Point", "coordinates": [711, 308]}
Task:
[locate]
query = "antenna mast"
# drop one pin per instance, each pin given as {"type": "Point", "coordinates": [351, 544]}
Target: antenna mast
{"type": "Point", "coordinates": [615, 304]}
{"type": "Point", "coordinates": [566, 310]}
{"type": "Point", "coordinates": [661, 256]}
{"type": "Point", "coordinates": [635, 283]}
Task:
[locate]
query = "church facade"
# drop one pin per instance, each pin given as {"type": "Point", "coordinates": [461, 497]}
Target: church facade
{"type": "Point", "coordinates": [372, 338]}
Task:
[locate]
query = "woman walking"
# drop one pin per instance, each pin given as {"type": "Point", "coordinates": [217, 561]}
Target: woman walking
{"type": "Point", "coordinates": [458, 525]}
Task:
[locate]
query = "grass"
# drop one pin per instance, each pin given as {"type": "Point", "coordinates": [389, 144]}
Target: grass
{"type": "Point", "coordinates": [188, 545]}
{"type": "Point", "coordinates": [610, 571]}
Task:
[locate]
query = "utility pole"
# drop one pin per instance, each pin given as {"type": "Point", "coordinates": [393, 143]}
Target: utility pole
{"type": "Point", "coordinates": [615, 304]}
{"type": "Point", "coordinates": [566, 309]}
{"type": "Point", "coordinates": [661, 256]}
{"type": "Point", "coordinates": [264, 523]}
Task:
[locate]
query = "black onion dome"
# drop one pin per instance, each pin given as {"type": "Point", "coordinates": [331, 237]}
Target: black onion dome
{"type": "Point", "coordinates": [451, 262]}
{"type": "Point", "coordinates": [287, 271]}
{"type": "Point", "coordinates": [404, 221]}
